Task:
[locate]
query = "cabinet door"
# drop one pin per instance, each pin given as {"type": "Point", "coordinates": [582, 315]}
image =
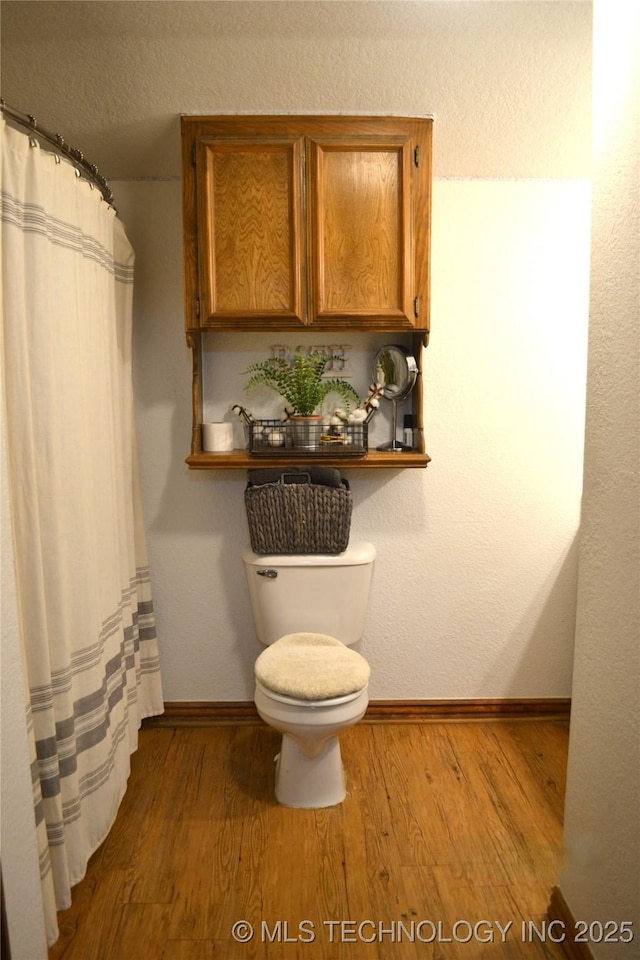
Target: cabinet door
{"type": "Point", "coordinates": [250, 232]}
{"type": "Point", "coordinates": [361, 231]}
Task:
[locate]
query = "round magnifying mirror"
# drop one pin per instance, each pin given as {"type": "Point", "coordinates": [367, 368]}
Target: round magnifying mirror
{"type": "Point", "coordinates": [396, 371]}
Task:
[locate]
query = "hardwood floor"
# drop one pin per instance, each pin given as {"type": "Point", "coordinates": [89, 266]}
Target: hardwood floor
{"type": "Point", "coordinates": [450, 832]}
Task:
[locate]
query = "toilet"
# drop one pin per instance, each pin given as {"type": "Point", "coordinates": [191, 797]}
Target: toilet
{"type": "Point", "coordinates": [309, 685]}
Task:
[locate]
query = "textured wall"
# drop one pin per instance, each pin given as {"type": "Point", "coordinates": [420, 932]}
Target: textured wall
{"type": "Point", "coordinates": [508, 82]}
{"type": "Point", "coordinates": [475, 583]}
{"type": "Point", "coordinates": [601, 881]}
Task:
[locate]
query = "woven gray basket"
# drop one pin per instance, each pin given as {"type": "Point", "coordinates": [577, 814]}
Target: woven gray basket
{"type": "Point", "coordinates": [298, 517]}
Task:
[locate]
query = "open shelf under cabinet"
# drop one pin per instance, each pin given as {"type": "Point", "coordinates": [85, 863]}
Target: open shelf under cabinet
{"type": "Point", "coordinates": [241, 460]}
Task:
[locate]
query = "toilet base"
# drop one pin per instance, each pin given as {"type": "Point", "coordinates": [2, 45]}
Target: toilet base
{"type": "Point", "coordinates": [311, 782]}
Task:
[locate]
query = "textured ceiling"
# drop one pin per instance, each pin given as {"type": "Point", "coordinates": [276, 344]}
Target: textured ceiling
{"type": "Point", "coordinates": [508, 83]}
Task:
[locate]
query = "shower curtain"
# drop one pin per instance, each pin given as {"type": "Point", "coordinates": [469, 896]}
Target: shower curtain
{"type": "Point", "coordinates": [85, 608]}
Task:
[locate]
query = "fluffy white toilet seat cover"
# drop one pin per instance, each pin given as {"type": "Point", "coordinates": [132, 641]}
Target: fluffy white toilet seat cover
{"type": "Point", "coordinates": [311, 666]}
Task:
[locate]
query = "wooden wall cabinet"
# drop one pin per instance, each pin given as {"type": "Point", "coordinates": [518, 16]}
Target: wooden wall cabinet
{"type": "Point", "coordinates": [305, 222]}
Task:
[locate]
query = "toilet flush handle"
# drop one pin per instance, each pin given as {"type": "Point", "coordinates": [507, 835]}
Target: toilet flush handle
{"type": "Point", "coordinates": [272, 574]}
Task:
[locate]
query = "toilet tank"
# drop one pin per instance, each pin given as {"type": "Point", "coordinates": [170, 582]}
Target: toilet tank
{"type": "Point", "coordinates": [310, 593]}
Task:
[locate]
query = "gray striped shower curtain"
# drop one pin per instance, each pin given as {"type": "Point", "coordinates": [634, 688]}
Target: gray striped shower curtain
{"type": "Point", "coordinates": [83, 591]}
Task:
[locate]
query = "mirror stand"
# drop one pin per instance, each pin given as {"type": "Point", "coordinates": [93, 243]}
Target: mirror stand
{"type": "Point", "coordinates": [394, 444]}
{"type": "Point", "coordinates": [396, 372]}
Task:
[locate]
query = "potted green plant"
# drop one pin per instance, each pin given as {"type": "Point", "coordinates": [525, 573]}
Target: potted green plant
{"type": "Point", "coordinates": [301, 384]}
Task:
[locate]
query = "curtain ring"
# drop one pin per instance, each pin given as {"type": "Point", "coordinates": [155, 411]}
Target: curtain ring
{"type": "Point", "coordinates": [33, 142]}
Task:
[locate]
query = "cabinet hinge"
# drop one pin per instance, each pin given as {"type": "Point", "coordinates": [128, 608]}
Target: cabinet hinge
{"type": "Point", "coordinates": [416, 156]}
{"type": "Point", "coordinates": [416, 307]}
{"type": "Point", "coordinates": [193, 154]}
{"type": "Point", "coordinates": [197, 305]}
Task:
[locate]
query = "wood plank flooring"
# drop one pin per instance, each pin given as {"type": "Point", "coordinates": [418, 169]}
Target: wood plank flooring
{"type": "Point", "coordinates": [448, 842]}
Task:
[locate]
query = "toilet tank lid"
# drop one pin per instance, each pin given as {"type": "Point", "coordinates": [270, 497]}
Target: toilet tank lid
{"type": "Point", "coordinates": [356, 553]}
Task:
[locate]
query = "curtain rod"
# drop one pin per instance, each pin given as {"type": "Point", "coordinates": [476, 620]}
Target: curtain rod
{"type": "Point", "coordinates": [76, 157]}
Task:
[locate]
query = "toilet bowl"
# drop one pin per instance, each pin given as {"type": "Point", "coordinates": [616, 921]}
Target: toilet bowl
{"type": "Point", "coordinates": [309, 687]}
{"type": "Point", "coordinates": [309, 769]}
{"type": "Point", "coordinates": [308, 684]}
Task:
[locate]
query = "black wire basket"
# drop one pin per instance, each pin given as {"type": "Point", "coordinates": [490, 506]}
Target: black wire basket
{"type": "Point", "coordinates": [268, 438]}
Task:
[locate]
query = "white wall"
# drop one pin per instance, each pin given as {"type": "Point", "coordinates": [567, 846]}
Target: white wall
{"type": "Point", "coordinates": [475, 583]}
{"type": "Point", "coordinates": [509, 83]}
{"type": "Point", "coordinates": [601, 880]}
